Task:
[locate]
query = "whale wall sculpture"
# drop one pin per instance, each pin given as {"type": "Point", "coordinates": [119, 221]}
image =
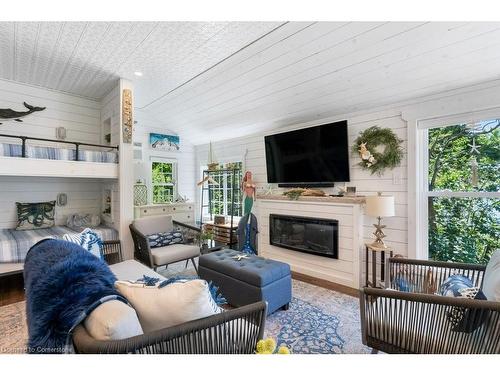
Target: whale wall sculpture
{"type": "Point", "coordinates": [7, 114]}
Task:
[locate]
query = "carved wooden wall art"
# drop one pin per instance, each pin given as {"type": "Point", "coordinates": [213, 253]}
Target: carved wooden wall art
{"type": "Point", "coordinates": [127, 120]}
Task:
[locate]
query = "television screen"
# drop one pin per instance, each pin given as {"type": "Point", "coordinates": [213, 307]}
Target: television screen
{"type": "Point", "coordinates": [316, 155]}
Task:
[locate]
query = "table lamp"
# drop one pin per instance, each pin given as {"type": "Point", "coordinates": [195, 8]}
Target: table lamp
{"type": "Point", "coordinates": [379, 206]}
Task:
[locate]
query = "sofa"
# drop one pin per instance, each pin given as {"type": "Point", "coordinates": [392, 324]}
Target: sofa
{"type": "Point", "coordinates": [234, 331]}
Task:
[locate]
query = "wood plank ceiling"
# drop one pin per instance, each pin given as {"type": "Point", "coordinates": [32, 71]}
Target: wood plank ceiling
{"type": "Point", "coordinates": [218, 80]}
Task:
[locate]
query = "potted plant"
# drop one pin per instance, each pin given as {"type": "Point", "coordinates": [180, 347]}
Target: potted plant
{"type": "Point", "coordinates": [203, 237]}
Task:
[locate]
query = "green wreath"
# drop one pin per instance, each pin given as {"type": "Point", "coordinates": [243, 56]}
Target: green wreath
{"type": "Point", "coordinates": [377, 161]}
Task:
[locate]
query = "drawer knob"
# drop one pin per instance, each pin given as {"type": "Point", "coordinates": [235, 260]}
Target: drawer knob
{"type": "Point", "coordinates": [163, 210]}
{"type": "Point", "coordinates": [174, 208]}
{"type": "Point", "coordinates": [145, 211]}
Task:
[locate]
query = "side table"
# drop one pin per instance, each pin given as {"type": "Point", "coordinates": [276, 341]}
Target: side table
{"type": "Point", "coordinates": [374, 250]}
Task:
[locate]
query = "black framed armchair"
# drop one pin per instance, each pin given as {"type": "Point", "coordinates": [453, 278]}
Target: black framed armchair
{"type": "Point", "coordinates": [160, 256]}
{"type": "Point", "coordinates": [410, 318]}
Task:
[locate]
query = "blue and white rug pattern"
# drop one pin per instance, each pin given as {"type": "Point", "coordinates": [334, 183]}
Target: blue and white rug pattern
{"type": "Point", "coordinates": [305, 328]}
{"type": "Point", "coordinates": [319, 321]}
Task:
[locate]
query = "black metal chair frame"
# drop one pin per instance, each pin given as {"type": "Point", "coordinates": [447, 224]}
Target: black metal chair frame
{"type": "Point", "coordinates": [142, 250]}
{"type": "Point", "coordinates": [396, 321]}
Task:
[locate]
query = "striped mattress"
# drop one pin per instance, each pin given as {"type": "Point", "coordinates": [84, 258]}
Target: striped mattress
{"type": "Point", "coordinates": [56, 153]}
{"type": "Point", "coordinates": [14, 244]}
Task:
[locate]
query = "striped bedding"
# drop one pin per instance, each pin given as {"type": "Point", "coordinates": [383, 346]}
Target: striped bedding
{"type": "Point", "coordinates": [14, 244]}
{"type": "Point", "coordinates": [55, 153]}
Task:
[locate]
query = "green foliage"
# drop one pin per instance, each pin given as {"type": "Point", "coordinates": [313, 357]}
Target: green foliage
{"type": "Point", "coordinates": [464, 229]}
{"type": "Point", "coordinates": [389, 157]}
{"type": "Point", "coordinates": [162, 179]}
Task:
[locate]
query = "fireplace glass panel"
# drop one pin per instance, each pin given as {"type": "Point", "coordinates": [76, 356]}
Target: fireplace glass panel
{"type": "Point", "coordinates": [309, 235]}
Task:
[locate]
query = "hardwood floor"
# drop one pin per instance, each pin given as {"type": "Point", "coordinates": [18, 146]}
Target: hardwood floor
{"type": "Point", "coordinates": [325, 284]}
{"type": "Point", "coordinates": [11, 289]}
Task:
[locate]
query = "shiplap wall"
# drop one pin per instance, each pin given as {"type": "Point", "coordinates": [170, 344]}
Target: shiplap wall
{"type": "Point", "coordinates": [81, 118]}
{"type": "Point", "coordinates": [84, 196]}
{"type": "Point", "coordinates": [185, 157]}
{"type": "Point", "coordinates": [251, 150]}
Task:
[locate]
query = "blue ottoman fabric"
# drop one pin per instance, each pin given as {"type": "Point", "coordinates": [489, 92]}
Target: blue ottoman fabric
{"type": "Point", "coordinates": [248, 280]}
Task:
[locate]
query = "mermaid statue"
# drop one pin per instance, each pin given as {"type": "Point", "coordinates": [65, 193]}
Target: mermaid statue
{"type": "Point", "coordinates": [248, 188]}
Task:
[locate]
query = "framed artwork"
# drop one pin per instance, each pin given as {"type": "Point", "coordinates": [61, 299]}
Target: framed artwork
{"type": "Point", "coordinates": [164, 142]}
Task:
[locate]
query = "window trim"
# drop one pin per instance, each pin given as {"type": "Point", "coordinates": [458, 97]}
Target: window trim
{"type": "Point", "coordinates": [421, 231]}
{"type": "Point", "coordinates": [203, 167]}
{"type": "Point", "coordinates": [175, 174]}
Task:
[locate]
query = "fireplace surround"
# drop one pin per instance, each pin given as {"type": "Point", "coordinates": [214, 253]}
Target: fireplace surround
{"type": "Point", "coordinates": [310, 235]}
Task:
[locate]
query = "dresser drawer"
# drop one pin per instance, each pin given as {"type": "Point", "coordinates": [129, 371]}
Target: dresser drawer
{"type": "Point", "coordinates": [154, 211]}
{"type": "Point", "coordinates": [184, 217]}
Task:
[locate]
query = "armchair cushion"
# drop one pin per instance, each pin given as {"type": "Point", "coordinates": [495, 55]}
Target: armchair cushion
{"type": "Point", "coordinates": [491, 280]}
{"type": "Point", "coordinates": [154, 224]}
{"type": "Point", "coordinates": [174, 253]}
{"type": "Point", "coordinates": [165, 239]}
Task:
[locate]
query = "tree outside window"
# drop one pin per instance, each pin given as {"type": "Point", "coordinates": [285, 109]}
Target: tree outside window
{"type": "Point", "coordinates": [163, 181]}
{"type": "Point", "coordinates": [463, 191]}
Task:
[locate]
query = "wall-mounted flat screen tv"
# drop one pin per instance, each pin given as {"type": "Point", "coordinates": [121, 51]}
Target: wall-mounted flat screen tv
{"type": "Point", "coordinates": [315, 156]}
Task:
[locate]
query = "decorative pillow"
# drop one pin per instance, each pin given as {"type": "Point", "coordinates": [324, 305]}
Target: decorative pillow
{"type": "Point", "coordinates": [173, 304]}
{"type": "Point", "coordinates": [491, 280]}
{"type": "Point", "coordinates": [77, 221]}
{"type": "Point", "coordinates": [460, 318]}
{"type": "Point", "coordinates": [88, 239]}
{"type": "Point", "coordinates": [35, 215]}
{"type": "Point", "coordinates": [165, 239]}
{"type": "Point", "coordinates": [113, 320]}
{"type": "Point", "coordinates": [217, 296]}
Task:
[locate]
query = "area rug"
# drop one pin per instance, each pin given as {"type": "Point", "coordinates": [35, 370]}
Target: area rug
{"type": "Point", "coordinates": [319, 321]}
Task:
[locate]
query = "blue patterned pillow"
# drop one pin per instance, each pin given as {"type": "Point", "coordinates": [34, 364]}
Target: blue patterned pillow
{"type": "Point", "coordinates": [165, 239]}
{"type": "Point", "coordinates": [463, 319]}
{"type": "Point", "coordinates": [88, 239]}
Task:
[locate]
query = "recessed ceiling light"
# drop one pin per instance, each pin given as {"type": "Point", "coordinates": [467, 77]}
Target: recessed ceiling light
{"type": "Point", "coordinates": [138, 74]}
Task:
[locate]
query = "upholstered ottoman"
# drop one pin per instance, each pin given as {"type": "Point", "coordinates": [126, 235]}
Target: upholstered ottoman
{"type": "Point", "coordinates": [248, 280]}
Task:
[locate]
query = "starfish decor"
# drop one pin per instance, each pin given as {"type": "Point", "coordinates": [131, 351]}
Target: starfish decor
{"type": "Point", "coordinates": [474, 149]}
{"type": "Point", "coordinates": [240, 257]}
{"type": "Point", "coordinates": [379, 235]}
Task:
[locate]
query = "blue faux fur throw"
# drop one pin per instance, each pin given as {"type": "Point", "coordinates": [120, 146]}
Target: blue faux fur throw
{"type": "Point", "coordinates": [62, 281]}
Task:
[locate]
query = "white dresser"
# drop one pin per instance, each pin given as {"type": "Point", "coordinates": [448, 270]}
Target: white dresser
{"type": "Point", "coordinates": [183, 212]}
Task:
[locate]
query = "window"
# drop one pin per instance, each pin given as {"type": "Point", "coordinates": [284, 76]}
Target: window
{"type": "Point", "coordinates": [163, 180]}
{"type": "Point", "coordinates": [462, 191]}
{"type": "Point", "coordinates": [218, 199]}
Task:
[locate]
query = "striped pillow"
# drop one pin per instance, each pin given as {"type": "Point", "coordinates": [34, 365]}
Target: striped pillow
{"type": "Point", "coordinates": [88, 239]}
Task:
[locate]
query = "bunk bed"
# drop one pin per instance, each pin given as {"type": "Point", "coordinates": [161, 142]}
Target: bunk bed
{"type": "Point", "coordinates": [30, 156]}
{"type": "Point", "coordinates": [14, 244]}
{"type": "Point", "coordinates": [41, 157]}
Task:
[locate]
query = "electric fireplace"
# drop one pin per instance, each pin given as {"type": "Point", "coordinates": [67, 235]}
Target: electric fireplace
{"type": "Point", "coordinates": [309, 235]}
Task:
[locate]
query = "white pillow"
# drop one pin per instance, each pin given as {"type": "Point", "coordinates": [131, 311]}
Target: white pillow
{"type": "Point", "coordinates": [173, 304]}
{"type": "Point", "coordinates": [491, 281]}
{"type": "Point", "coordinates": [113, 320]}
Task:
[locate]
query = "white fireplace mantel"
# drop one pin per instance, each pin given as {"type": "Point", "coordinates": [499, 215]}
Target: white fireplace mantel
{"type": "Point", "coordinates": [346, 270]}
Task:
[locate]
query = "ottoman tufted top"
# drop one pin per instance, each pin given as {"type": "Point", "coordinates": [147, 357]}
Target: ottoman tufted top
{"type": "Point", "coordinates": [253, 270]}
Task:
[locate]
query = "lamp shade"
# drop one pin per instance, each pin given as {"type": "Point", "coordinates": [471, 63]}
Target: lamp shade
{"type": "Point", "coordinates": [379, 205]}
